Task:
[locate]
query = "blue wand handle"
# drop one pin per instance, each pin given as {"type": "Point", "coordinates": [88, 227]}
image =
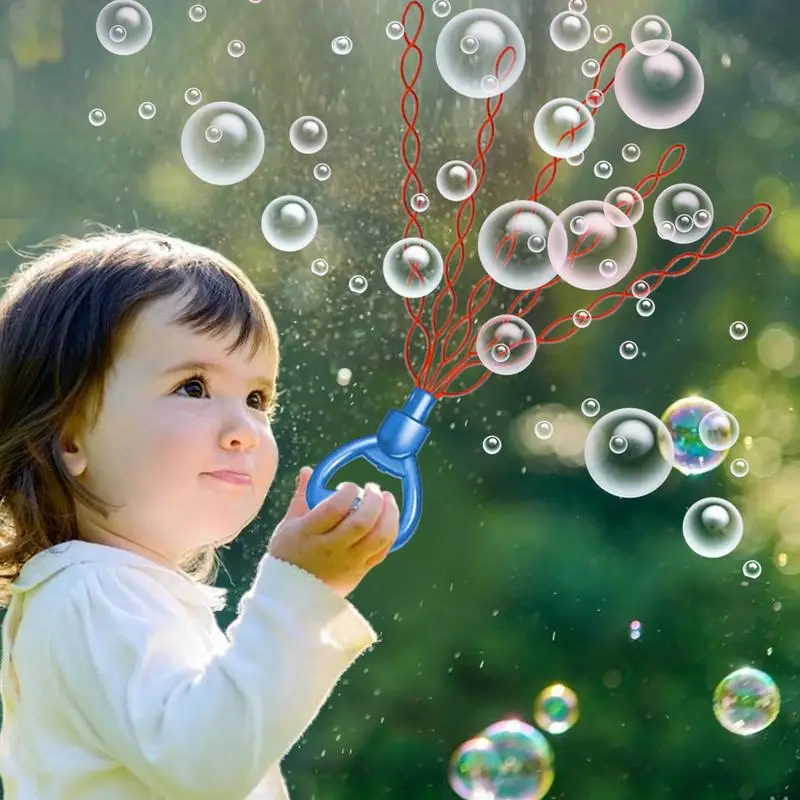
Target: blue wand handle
{"type": "Point", "coordinates": [393, 450]}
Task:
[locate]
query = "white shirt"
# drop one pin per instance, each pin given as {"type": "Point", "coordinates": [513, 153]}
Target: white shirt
{"type": "Point", "coordinates": [117, 681]}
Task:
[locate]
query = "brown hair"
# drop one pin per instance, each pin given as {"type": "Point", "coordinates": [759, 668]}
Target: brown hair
{"type": "Point", "coordinates": [63, 319]}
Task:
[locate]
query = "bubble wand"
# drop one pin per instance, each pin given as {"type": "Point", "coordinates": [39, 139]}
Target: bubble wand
{"type": "Point", "coordinates": [393, 449]}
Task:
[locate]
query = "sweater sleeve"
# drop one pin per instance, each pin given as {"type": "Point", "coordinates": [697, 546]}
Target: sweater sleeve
{"type": "Point", "coordinates": [132, 665]}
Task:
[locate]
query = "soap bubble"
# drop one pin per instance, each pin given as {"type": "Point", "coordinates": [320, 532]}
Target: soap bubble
{"type": "Point", "coordinates": [509, 245]}
{"type": "Point", "coordinates": [607, 236]}
{"type": "Point", "coordinates": [466, 73]}
{"type": "Point", "coordinates": [651, 34]}
{"type": "Point", "coordinates": [577, 6]}
{"type": "Point", "coordinates": [682, 419]}
{"type": "Point", "coordinates": [602, 34]}
{"type": "Point", "coordinates": [472, 769]}
{"type": "Point", "coordinates": [193, 96]}
{"type": "Point", "coordinates": [739, 467]}
{"type": "Point", "coordinates": [627, 200]}
{"type": "Point", "coordinates": [631, 152]}
{"type": "Point", "coordinates": [644, 465]}
{"type": "Point", "coordinates": [659, 91]}
{"type": "Point", "coordinates": [582, 318]}
{"type": "Point", "coordinates": [629, 350]}
{"type": "Point", "coordinates": [563, 127]}
{"type": "Point", "coordinates": [147, 110]}
{"type": "Point", "coordinates": [505, 344]}
{"type": "Point", "coordinates": [322, 171]}
{"type": "Point", "coordinates": [617, 445]}
{"type": "Point", "coordinates": [420, 202]}
{"type": "Point", "coordinates": [236, 48]}
{"type": "Point", "coordinates": [543, 429]}
{"type": "Point", "coordinates": [97, 117]}
{"type": "Point", "coordinates": [456, 180]}
{"type": "Point", "coordinates": [645, 307]}
{"type": "Point", "coordinates": [603, 169]}
{"type": "Point", "coordinates": [591, 67]}
{"type": "Point", "coordinates": [124, 27]}
{"type": "Point", "coordinates": [395, 30]}
{"type": "Point", "coordinates": [197, 12]}
{"type": "Point", "coordinates": [492, 445]}
{"type": "Point", "coordinates": [441, 8]}
{"type": "Point", "coordinates": [289, 223]}
{"type": "Point", "coordinates": [357, 284]}
{"type": "Point", "coordinates": [713, 527]}
{"type": "Point", "coordinates": [751, 569]}
{"type": "Point", "coordinates": [342, 45]}
{"type": "Point", "coordinates": [590, 407]}
{"type": "Point", "coordinates": [640, 289]}
{"type": "Point", "coordinates": [718, 430]}
{"type": "Point", "coordinates": [319, 266]}
{"type": "Point", "coordinates": [556, 709]}
{"type": "Point", "coordinates": [222, 143]}
{"type": "Point", "coordinates": [678, 205]}
{"type": "Point", "coordinates": [746, 701]}
{"type": "Point", "coordinates": [575, 161]}
{"type": "Point", "coordinates": [594, 98]}
{"type": "Point", "coordinates": [413, 267]}
{"type": "Point", "coordinates": [308, 134]}
{"type": "Point", "coordinates": [738, 330]}
{"type": "Point", "coordinates": [569, 31]}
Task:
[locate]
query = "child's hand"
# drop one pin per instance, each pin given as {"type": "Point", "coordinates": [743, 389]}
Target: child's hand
{"type": "Point", "coordinates": [333, 542]}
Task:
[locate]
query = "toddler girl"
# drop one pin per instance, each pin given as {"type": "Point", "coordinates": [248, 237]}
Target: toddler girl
{"type": "Point", "coordinates": [117, 484]}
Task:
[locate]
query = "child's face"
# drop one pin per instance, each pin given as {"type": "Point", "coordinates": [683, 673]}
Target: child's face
{"type": "Point", "coordinates": [157, 436]}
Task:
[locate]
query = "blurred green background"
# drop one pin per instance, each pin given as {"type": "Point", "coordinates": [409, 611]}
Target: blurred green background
{"type": "Point", "coordinates": [523, 572]}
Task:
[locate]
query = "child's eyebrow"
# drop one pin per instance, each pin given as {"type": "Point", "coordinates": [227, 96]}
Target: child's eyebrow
{"type": "Point", "coordinates": [209, 366]}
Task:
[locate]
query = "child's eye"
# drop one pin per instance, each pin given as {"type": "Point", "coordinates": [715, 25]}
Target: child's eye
{"type": "Point", "coordinates": [264, 400]}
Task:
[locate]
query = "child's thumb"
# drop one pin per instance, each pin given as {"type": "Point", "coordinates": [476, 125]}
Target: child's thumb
{"type": "Point", "coordinates": [298, 504]}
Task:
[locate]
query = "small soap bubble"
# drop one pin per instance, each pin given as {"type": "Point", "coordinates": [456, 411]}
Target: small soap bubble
{"type": "Point", "coordinates": [631, 152]}
{"type": "Point", "coordinates": [713, 527]}
{"type": "Point", "coordinates": [456, 180]}
{"type": "Point", "coordinates": [629, 350]}
{"type": "Point", "coordinates": [563, 127]}
{"type": "Point", "coordinates": [395, 30]}
{"type": "Point", "coordinates": [577, 6]}
{"type": "Point", "coordinates": [635, 630]}
{"type": "Point", "coordinates": [719, 430]}
{"type": "Point", "coordinates": [640, 289]}
{"type": "Point", "coordinates": [608, 268]}
{"type": "Point", "coordinates": [738, 330]}
{"type": "Point", "coordinates": [751, 569]}
{"type": "Point", "coordinates": [645, 307]}
{"type": "Point", "coordinates": [413, 267]}
{"type": "Point", "coordinates": [470, 45]}
{"type": "Point", "coordinates": [420, 202]}
{"type": "Point", "coordinates": [576, 160]}
{"type": "Point", "coordinates": [341, 45]}
{"type": "Point", "coordinates": [124, 27]}
{"type": "Point", "coordinates": [618, 445]}
{"type": "Point", "coordinates": [236, 48]}
{"type": "Point", "coordinates": [357, 284]}
{"type": "Point", "coordinates": [739, 467]}
{"type": "Point", "coordinates": [569, 31]}
{"type": "Point", "coordinates": [147, 110]}
{"type": "Point", "coordinates": [193, 96]}
{"type": "Point", "coordinates": [518, 344]}
{"type": "Point", "coordinates": [492, 445]}
{"type": "Point", "coordinates": [582, 318]}
{"type": "Point", "coordinates": [343, 376]}
{"type": "Point", "coordinates": [197, 12]}
{"type": "Point", "coordinates": [289, 223]}
{"type": "Point", "coordinates": [319, 266]}
{"type": "Point", "coordinates": [651, 34]}
{"type": "Point", "coordinates": [702, 218]}
{"type": "Point", "coordinates": [594, 98]}
{"type": "Point", "coordinates": [97, 117]}
{"type": "Point", "coordinates": [590, 407]}
{"type": "Point", "coordinates": [602, 34]}
{"type": "Point", "coordinates": [441, 8]}
{"type": "Point", "coordinates": [627, 200]}
{"type": "Point", "coordinates": [591, 67]}
{"type": "Point", "coordinates": [603, 169]}
{"type": "Point", "coordinates": [543, 429]}
{"type": "Point", "coordinates": [322, 171]}
{"type": "Point", "coordinates": [556, 709]}
{"type": "Point", "coordinates": [665, 230]}
{"type": "Point", "coordinates": [308, 135]}
{"type": "Point", "coordinates": [746, 701]}
{"type": "Point", "coordinates": [578, 225]}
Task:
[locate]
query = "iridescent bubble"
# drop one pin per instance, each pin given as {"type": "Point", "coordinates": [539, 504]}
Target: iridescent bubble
{"type": "Point", "coordinates": [719, 430]}
{"type": "Point", "coordinates": [751, 569]}
{"type": "Point", "coordinates": [651, 34]}
{"type": "Point", "coordinates": [569, 32]}
{"type": "Point", "coordinates": [147, 110]}
{"type": "Point", "coordinates": [467, 73]}
{"type": "Point", "coordinates": [505, 344]}
{"type": "Point", "coordinates": [631, 152]}
{"type": "Point", "coordinates": [713, 527]}
{"type": "Point", "coordinates": [543, 429]}
{"type": "Point", "coordinates": [342, 45]}
{"type": "Point", "coordinates": [682, 420]}
{"type": "Point", "coordinates": [645, 307]}
{"type": "Point", "coordinates": [526, 761]}
{"type": "Point", "coordinates": [607, 235]}
{"type": "Point", "coordinates": [603, 169]}
{"type": "Point", "coordinates": [236, 48]}
{"type": "Point", "coordinates": [739, 467]}
{"type": "Point", "coordinates": [441, 8]}
{"type": "Point", "coordinates": [746, 701]}
{"type": "Point", "coordinates": [556, 709]}
{"type": "Point", "coordinates": [738, 330]}
{"type": "Point", "coordinates": [591, 67]}
{"type": "Point", "coordinates": [322, 171]}
{"type": "Point", "coordinates": [413, 267]}
{"type": "Point", "coordinates": [193, 96]}
{"type": "Point", "coordinates": [629, 350]}
{"type": "Point", "coordinates": [602, 34]}
{"type": "Point", "coordinates": [627, 200]}
{"type": "Point", "coordinates": [678, 204]}
{"type": "Point", "coordinates": [97, 117]}
{"type": "Point", "coordinates": [563, 127]}
{"type": "Point", "coordinates": [308, 134]}
{"type": "Point", "coordinates": [357, 284]}
{"type": "Point", "coordinates": [472, 769]}
{"type": "Point", "coordinates": [505, 245]}
{"type": "Point", "coordinates": [230, 157]}
{"type": "Point", "coordinates": [124, 27]}
{"type": "Point", "coordinates": [590, 407]}
{"type": "Point", "coordinates": [319, 266]}
{"type": "Point", "coordinates": [197, 12]}
{"type": "Point", "coordinates": [492, 445]}
{"type": "Point", "coordinates": [395, 30]}
{"type": "Point", "coordinates": [289, 223]}
{"type": "Point", "coordinates": [659, 91]}
{"type": "Point", "coordinates": [420, 202]}
{"type": "Point", "coordinates": [644, 465]}
{"type": "Point", "coordinates": [456, 180]}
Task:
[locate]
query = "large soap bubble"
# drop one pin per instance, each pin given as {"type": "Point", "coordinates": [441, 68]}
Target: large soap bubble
{"type": "Point", "coordinates": [625, 450]}
{"type": "Point", "coordinates": [468, 48]}
{"type": "Point", "coordinates": [592, 245]}
{"type": "Point", "coordinates": [563, 127]}
{"type": "Point", "coordinates": [124, 27]}
{"type": "Point", "coordinates": [683, 213]}
{"type": "Point", "coordinates": [512, 245]}
{"type": "Point", "coordinates": [222, 143]}
{"type": "Point", "coordinates": [289, 223]}
{"type": "Point", "coordinates": [659, 91]}
{"type": "Point", "coordinates": [713, 527]}
{"type": "Point", "coordinates": [413, 267]}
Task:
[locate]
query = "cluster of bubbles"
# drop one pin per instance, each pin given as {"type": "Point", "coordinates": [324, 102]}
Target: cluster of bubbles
{"type": "Point", "coordinates": [683, 213]}
{"type": "Point", "coordinates": [746, 701]}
